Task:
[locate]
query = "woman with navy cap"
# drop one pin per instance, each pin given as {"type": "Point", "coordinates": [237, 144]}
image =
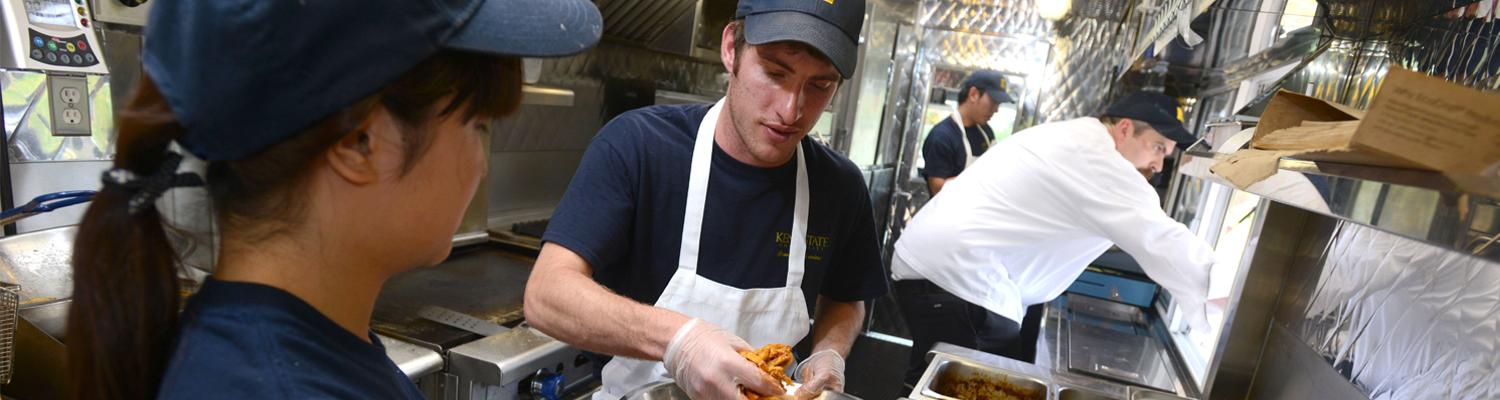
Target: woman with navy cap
{"type": "Point", "coordinates": [343, 141]}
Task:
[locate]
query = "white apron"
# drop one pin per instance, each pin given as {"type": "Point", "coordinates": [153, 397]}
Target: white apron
{"type": "Point", "coordinates": [760, 316]}
{"type": "Point", "coordinates": [963, 136]}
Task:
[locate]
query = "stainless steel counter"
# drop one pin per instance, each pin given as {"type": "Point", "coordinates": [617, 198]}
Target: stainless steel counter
{"type": "Point", "coordinates": [457, 329]}
{"type": "Point", "coordinates": [1144, 355]}
{"type": "Point", "coordinates": [1052, 365]}
{"type": "Point", "coordinates": [414, 361]}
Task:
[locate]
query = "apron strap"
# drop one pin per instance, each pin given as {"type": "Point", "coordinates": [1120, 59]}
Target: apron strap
{"type": "Point", "coordinates": [697, 194]}
{"type": "Point", "coordinates": [797, 249]}
{"type": "Point", "coordinates": [963, 137]}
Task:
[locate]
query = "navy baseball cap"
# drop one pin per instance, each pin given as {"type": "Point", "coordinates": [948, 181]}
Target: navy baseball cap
{"type": "Point", "coordinates": [242, 75]}
{"type": "Point", "coordinates": [830, 26]}
{"type": "Point", "coordinates": [989, 82]}
{"type": "Point", "coordinates": [1156, 109]}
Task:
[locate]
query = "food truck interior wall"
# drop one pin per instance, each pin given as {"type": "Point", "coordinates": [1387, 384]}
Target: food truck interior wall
{"type": "Point", "coordinates": [1347, 342]}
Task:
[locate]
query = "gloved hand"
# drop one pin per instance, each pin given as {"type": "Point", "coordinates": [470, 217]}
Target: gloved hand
{"type": "Point", "coordinates": [703, 359]}
{"type": "Point", "coordinates": [822, 371]}
{"type": "Point", "coordinates": [1195, 314]}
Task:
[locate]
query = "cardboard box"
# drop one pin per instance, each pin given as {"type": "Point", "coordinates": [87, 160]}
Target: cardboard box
{"type": "Point", "coordinates": [1416, 121]}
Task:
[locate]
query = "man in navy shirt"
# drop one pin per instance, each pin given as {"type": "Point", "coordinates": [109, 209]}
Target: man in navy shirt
{"type": "Point", "coordinates": [690, 232]}
{"type": "Point", "coordinates": [956, 142]}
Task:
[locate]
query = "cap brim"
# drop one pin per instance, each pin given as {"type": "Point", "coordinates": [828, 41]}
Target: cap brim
{"type": "Point", "coordinates": [1175, 131]}
{"type": "Point", "coordinates": [530, 28]}
{"type": "Point", "coordinates": [794, 26]}
{"type": "Point", "coordinates": [999, 96]}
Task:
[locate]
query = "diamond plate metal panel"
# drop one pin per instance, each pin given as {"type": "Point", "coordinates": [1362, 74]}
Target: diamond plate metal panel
{"type": "Point", "coordinates": [999, 17]}
{"type": "Point", "coordinates": [1014, 56]}
{"type": "Point", "coordinates": [1089, 55]}
{"type": "Point", "coordinates": [1108, 10]}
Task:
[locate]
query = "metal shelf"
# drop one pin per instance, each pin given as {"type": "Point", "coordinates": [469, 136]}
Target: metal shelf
{"type": "Point", "coordinates": [1453, 212]}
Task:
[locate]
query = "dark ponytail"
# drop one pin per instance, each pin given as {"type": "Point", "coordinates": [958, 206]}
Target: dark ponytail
{"type": "Point", "coordinates": [124, 269]}
{"type": "Point", "coordinates": [122, 324]}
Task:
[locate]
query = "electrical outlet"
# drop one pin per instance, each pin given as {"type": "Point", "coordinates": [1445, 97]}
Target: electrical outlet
{"type": "Point", "coordinates": [68, 98]}
{"type": "Point", "coordinates": [72, 116]}
{"type": "Point", "coordinates": [70, 95]}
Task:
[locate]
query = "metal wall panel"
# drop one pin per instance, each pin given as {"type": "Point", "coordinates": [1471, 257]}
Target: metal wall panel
{"type": "Point", "coordinates": [28, 121]}
{"type": "Point", "coordinates": [1089, 55]}
{"type": "Point", "coordinates": [643, 21]}
{"type": "Point", "coordinates": [996, 17]}
{"type": "Point", "coordinates": [41, 162]}
{"type": "Point", "coordinates": [1460, 44]}
{"type": "Point", "coordinates": [1400, 318]}
{"type": "Point", "coordinates": [534, 153]}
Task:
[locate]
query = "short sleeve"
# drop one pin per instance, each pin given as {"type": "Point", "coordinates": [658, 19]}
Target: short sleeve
{"type": "Point", "coordinates": [594, 217]}
{"type": "Point", "coordinates": [856, 272]}
{"type": "Point", "coordinates": [939, 153]}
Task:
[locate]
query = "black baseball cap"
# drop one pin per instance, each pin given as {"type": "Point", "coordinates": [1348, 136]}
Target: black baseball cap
{"type": "Point", "coordinates": [989, 82]}
{"type": "Point", "coordinates": [830, 26]}
{"type": "Point", "coordinates": [1156, 109]}
{"type": "Point", "coordinates": [242, 75]}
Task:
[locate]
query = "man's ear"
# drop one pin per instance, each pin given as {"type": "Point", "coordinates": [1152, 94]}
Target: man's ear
{"type": "Point", "coordinates": [726, 48]}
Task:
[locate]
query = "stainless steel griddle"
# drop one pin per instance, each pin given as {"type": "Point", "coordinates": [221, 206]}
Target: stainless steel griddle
{"type": "Point", "coordinates": [484, 282]}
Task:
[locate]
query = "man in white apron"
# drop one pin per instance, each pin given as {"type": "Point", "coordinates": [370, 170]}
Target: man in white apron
{"type": "Point", "coordinates": [692, 231]}
{"type": "Point", "coordinates": [954, 143]}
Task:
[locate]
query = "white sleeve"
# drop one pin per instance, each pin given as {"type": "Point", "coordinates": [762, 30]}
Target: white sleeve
{"type": "Point", "coordinates": [1120, 205]}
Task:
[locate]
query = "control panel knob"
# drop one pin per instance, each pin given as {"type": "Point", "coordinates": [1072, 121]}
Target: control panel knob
{"type": "Point", "coordinates": [547, 385]}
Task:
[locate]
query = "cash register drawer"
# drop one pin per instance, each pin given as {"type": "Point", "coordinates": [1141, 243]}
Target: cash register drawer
{"type": "Point", "coordinates": [1115, 288]}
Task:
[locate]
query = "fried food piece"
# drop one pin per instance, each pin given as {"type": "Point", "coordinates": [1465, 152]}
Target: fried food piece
{"type": "Point", "coordinates": [773, 359]}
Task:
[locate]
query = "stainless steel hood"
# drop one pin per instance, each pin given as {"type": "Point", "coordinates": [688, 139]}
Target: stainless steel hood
{"type": "Point", "coordinates": [672, 26]}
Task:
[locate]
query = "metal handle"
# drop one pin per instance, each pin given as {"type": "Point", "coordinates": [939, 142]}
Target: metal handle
{"type": "Point", "coordinates": [46, 203]}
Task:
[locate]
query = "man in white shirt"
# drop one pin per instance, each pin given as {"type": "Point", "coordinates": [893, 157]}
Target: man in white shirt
{"type": "Point", "coordinates": [1029, 216]}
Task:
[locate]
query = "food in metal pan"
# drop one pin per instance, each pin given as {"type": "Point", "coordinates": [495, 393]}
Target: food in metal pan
{"type": "Point", "coordinates": [979, 388]}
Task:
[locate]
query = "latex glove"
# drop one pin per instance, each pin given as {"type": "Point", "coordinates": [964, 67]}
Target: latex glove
{"type": "Point", "coordinates": [703, 358]}
{"type": "Point", "coordinates": [822, 371]}
{"type": "Point", "coordinates": [1195, 314]}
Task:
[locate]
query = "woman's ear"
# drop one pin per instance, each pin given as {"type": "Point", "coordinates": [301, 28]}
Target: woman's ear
{"type": "Point", "coordinates": [353, 157]}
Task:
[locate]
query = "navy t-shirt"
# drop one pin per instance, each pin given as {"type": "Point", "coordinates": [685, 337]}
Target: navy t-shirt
{"type": "Point", "coordinates": [943, 154]}
{"type": "Point", "coordinates": [249, 341]}
{"type": "Point", "coordinates": [623, 213]}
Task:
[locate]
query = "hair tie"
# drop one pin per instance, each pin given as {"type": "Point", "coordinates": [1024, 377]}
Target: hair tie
{"type": "Point", "coordinates": [146, 189]}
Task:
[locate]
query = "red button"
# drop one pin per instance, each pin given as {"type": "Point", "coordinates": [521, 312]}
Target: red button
{"type": "Point", "coordinates": [84, 21]}
{"type": "Point", "coordinates": [82, 45]}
